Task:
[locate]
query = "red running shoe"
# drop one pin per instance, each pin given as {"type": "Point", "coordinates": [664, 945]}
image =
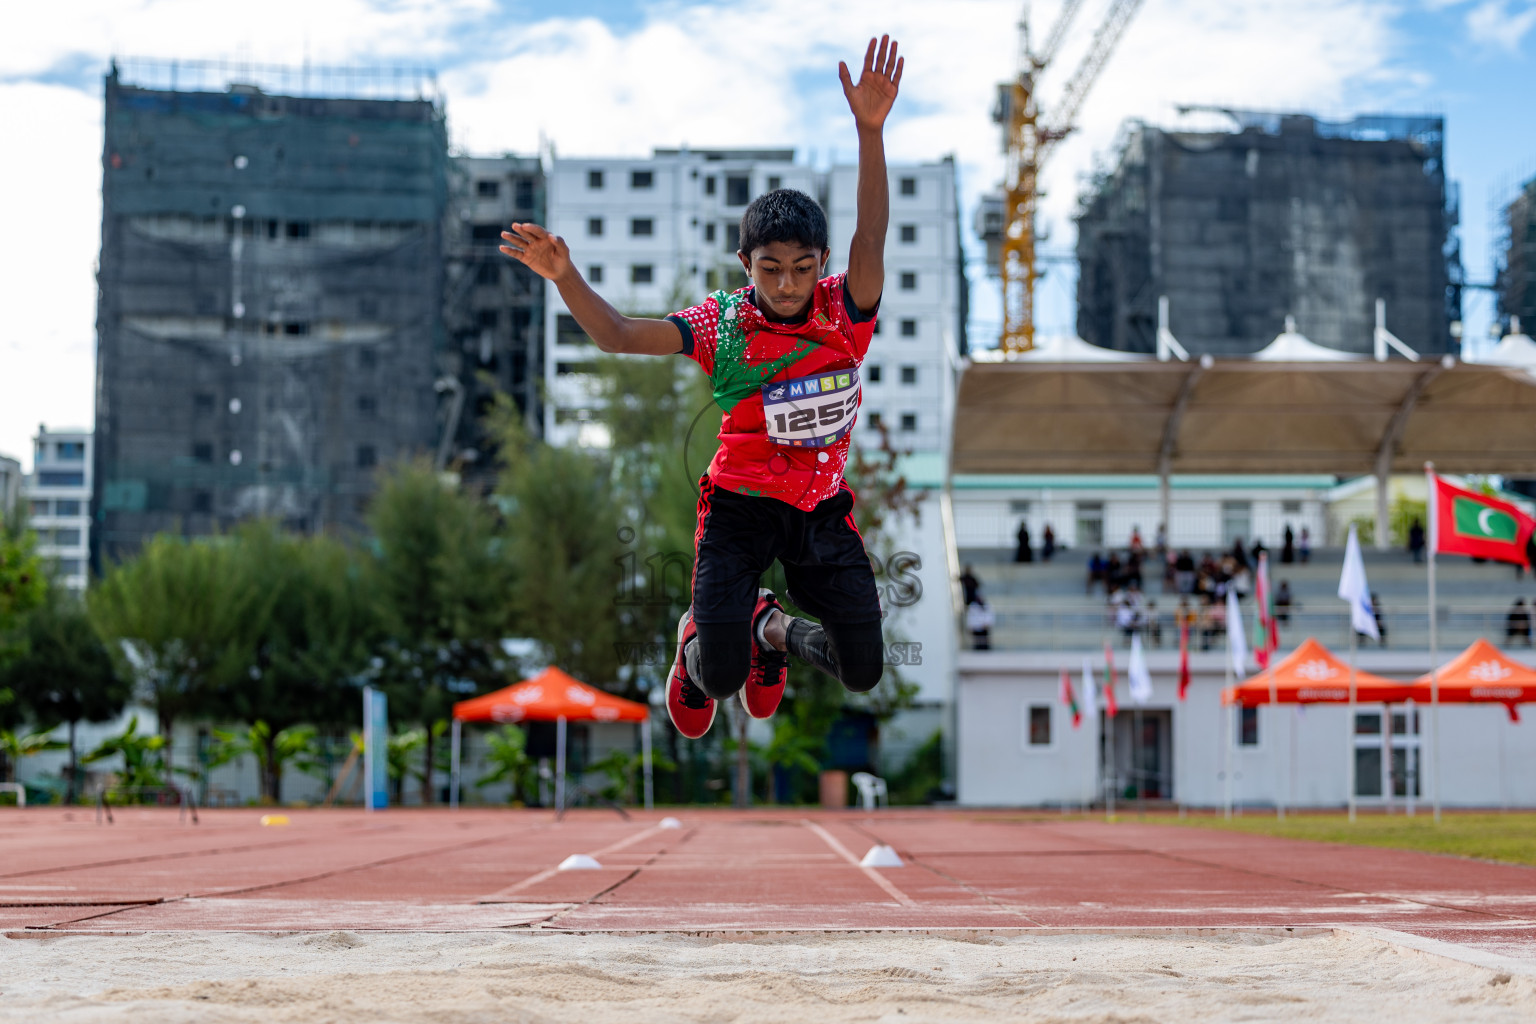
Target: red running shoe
{"type": "Point", "coordinates": [690, 708]}
{"type": "Point", "coordinates": [765, 680]}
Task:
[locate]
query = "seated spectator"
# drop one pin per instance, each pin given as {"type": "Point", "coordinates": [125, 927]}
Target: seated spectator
{"type": "Point", "coordinates": [970, 584]}
{"type": "Point", "coordinates": [1184, 572]}
{"type": "Point", "coordinates": [1095, 571]}
{"type": "Point", "coordinates": [978, 620]}
{"type": "Point", "coordinates": [1283, 603]}
{"type": "Point", "coordinates": [1517, 625]}
{"type": "Point", "coordinates": [1151, 627]}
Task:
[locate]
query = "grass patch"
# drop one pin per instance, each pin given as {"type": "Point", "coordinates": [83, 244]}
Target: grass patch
{"type": "Point", "coordinates": [1502, 837]}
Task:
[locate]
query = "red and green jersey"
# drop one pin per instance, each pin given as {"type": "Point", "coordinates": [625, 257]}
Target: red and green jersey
{"type": "Point", "coordinates": [778, 452]}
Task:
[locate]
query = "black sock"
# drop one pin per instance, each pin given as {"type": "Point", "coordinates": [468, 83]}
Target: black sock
{"type": "Point", "coordinates": [808, 642]}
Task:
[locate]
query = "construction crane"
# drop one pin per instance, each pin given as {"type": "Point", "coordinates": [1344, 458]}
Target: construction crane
{"type": "Point", "coordinates": [1028, 138]}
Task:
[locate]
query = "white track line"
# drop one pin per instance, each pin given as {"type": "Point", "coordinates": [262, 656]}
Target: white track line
{"type": "Point", "coordinates": [500, 895]}
{"type": "Point", "coordinates": [874, 876]}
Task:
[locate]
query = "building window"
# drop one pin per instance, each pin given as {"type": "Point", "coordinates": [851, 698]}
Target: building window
{"type": "Point", "coordinates": [876, 327]}
{"type": "Point", "coordinates": [1290, 507]}
{"type": "Point", "coordinates": [909, 328]}
{"type": "Point", "coordinates": [297, 229]}
{"type": "Point", "coordinates": [67, 507]}
{"type": "Point", "coordinates": [524, 198]}
{"type": "Point", "coordinates": [202, 451]}
{"type": "Point", "coordinates": [367, 358]}
{"type": "Point", "coordinates": [908, 422]}
{"type": "Point", "coordinates": [709, 232]}
{"type": "Point", "coordinates": [595, 273]}
{"type": "Point", "coordinates": [569, 332]}
{"type": "Point", "coordinates": [874, 373]}
{"type": "Point", "coordinates": [367, 458]}
{"type": "Point", "coordinates": [202, 502]}
{"type": "Point", "coordinates": [641, 179]}
{"type": "Point", "coordinates": [1247, 727]}
{"type": "Point", "coordinates": [71, 567]}
{"type": "Point", "coordinates": [488, 273]}
{"type": "Point", "coordinates": [594, 179]}
{"type": "Point", "coordinates": [641, 273]}
{"type": "Point", "coordinates": [737, 191]}
{"type": "Point", "coordinates": [296, 327]}
{"type": "Point", "coordinates": [40, 507]}
{"type": "Point", "coordinates": [775, 183]}
{"type": "Point", "coordinates": [732, 237]}
{"type": "Point", "coordinates": [71, 451]}
{"type": "Point", "coordinates": [875, 422]}
{"type": "Point", "coordinates": [1039, 725]}
{"type": "Point", "coordinates": [709, 185]}
{"type": "Point", "coordinates": [908, 186]}
{"type": "Point", "coordinates": [909, 232]}
{"type": "Point", "coordinates": [486, 319]}
{"type": "Point", "coordinates": [908, 281]}
{"type": "Point", "coordinates": [46, 478]}
{"type": "Point", "coordinates": [485, 233]}
{"type": "Point", "coordinates": [487, 189]}
{"type": "Point", "coordinates": [570, 368]}
{"type": "Point", "coordinates": [909, 375]}
{"type": "Point", "coordinates": [367, 405]}
{"type": "Point", "coordinates": [595, 227]}
{"type": "Point", "coordinates": [202, 403]}
{"type": "Point", "coordinates": [67, 538]}
{"type": "Point", "coordinates": [641, 227]}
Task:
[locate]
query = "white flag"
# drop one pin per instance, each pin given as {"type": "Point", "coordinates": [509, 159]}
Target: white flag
{"type": "Point", "coordinates": [1090, 688]}
{"type": "Point", "coordinates": [1237, 644]}
{"type": "Point", "coordinates": [1136, 674]}
{"type": "Point", "coordinates": [1353, 588]}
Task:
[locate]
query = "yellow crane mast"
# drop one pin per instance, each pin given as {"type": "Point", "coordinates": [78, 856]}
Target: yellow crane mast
{"type": "Point", "coordinates": [1028, 140]}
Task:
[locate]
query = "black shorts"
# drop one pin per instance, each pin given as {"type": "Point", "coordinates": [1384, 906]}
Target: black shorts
{"type": "Point", "coordinates": [739, 536]}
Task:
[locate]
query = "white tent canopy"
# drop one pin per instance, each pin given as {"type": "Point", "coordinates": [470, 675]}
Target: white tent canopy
{"type": "Point", "coordinates": [1069, 348]}
{"type": "Point", "coordinates": [1513, 350]}
{"type": "Point", "coordinates": [1292, 347]}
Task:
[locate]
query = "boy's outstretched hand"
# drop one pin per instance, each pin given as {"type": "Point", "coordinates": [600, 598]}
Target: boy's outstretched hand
{"type": "Point", "coordinates": [871, 99]}
{"type": "Point", "coordinates": [541, 252]}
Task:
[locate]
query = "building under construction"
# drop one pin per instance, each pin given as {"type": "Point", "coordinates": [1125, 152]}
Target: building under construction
{"type": "Point", "coordinates": [1517, 269]}
{"type": "Point", "coordinates": [270, 324]}
{"type": "Point", "coordinates": [1286, 216]}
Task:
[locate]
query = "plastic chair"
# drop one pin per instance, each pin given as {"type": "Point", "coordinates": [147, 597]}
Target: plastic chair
{"type": "Point", "coordinates": [871, 789]}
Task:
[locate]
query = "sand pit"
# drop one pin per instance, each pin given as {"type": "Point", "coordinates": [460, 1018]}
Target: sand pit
{"type": "Point", "coordinates": [468, 978]}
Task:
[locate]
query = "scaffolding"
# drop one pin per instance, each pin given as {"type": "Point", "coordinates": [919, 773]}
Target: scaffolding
{"type": "Point", "coordinates": [1287, 215]}
{"type": "Point", "coordinates": [270, 315]}
{"type": "Point", "coordinates": [1516, 283]}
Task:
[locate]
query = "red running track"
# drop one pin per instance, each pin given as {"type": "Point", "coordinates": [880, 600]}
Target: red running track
{"type": "Point", "coordinates": [439, 870]}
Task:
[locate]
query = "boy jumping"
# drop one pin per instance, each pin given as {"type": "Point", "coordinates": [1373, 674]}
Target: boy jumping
{"type": "Point", "coordinates": [783, 357]}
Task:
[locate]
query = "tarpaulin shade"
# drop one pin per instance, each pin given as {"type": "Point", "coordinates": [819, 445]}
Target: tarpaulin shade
{"type": "Point", "coordinates": [1311, 674]}
{"type": "Point", "coordinates": [1243, 416]}
{"type": "Point", "coordinates": [548, 696]}
{"type": "Point", "coordinates": [1481, 674]}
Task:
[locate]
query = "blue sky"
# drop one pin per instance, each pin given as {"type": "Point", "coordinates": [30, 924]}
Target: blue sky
{"type": "Point", "coordinates": [602, 77]}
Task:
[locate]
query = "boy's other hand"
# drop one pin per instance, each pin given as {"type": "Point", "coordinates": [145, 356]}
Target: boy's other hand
{"type": "Point", "coordinates": [541, 252]}
{"type": "Point", "coordinates": [871, 99]}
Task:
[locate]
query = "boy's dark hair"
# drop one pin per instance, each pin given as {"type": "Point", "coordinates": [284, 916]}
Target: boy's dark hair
{"type": "Point", "coordinates": [784, 215]}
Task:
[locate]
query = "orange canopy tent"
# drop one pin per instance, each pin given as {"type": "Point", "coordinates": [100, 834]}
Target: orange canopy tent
{"type": "Point", "coordinates": [552, 696]}
{"type": "Point", "coordinates": [1312, 674]}
{"type": "Point", "coordinates": [1481, 674]}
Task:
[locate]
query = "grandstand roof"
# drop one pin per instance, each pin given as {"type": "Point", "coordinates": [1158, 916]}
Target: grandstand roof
{"type": "Point", "coordinates": [1244, 416]}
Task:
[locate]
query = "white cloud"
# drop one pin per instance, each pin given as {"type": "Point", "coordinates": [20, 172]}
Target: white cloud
{"type": "Point", "coordinates": [1493, 24]}
{"type": "Point", "coordinates": [725, 73]}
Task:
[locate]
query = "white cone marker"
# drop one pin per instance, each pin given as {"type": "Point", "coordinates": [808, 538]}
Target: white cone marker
{"type": "Point", "coordinates": [670, 823]}
{"type": "Point", "coordinates": [578, 862]}
{"type": "Point", "coordinates": [881, 856]}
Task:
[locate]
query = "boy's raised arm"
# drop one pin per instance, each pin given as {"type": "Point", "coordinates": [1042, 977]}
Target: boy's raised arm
{"type": "Point", "coordinates": [548, 256]}
{"type": "Point", "coordinates": [871, 100]}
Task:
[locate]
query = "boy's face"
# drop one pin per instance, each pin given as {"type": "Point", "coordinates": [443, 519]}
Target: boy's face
{"type": "Point", "coordinates": [785, 276]}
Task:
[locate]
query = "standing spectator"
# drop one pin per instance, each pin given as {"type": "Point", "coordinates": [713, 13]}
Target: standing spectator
{"type": "Point", "coordinates": [1238, 554]}
{"type": "Point", "coordinates": [1257, 550]}
{"type": "Point", "coordinates": [1160, 544]}
{"type": "Point", "coordinates": [1184, 572]}
{"type": "Point", "coordinates": [1305, 548]}
{"type": "Point", "coordinates": [1048, 544]}
{"type": "Point", "coordinates": [1024, 553]}
{"type": "Point", "coordinates": [1288, 549]}
{"type": "Point", "coordinates": [1151, 626]}
{"type": "Point", "coordinates": [1381, 623]}
{"type": "Point", "coordinates": [1416, 541]}
{"type": "Point", "coordinates": [971, 584]}
{"type": "Point", "coordinates": [1114, 574]}
{"type": "Point", "coordinates": [1095, 572]}
{"type": "Point", "coordinates": [1127, 614]}
{"type": "Point", "coordinates": [1170, 572]}
{"type": "Point", "coordinates": [1133, 568]}
{"type": "Point", "coordinates": [978, 619]}
{"type": "Point", "coordinates": [1213, 622]}
{"type": "Point", "coordinates": [1283, 603]}
{"type": "Point", "coordinates": [1137, 547]}
{"type": "Point", "coordinates": [1517, 625]}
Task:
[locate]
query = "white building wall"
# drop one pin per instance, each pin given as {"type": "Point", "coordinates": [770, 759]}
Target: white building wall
{"type": "Point", "coordinates": [58, 494]}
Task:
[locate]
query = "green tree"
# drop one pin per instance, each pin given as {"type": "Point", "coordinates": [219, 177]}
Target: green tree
{"type": "Point", "coordinates": [144, 756]}
{"type": "Point", "coordinates": [561, 530]}
{"type": "Point", "coordinates": [14, 746]}
{"type": "Point", "coordinates": [179, 617]}
{"type": "Point", "coordinates": [64, 673]}
{"type": "Point", "coordinates": [442, 581]}
{"type": "Point", "coordinates": [506, 754]}
{"type": "Point", "coordinates": [298, 746]}
{"type": "Point", "coordinates": [23, 582]}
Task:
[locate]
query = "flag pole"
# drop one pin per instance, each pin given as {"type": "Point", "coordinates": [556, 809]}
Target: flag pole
{"type": "Point", "coordinates": [1349, 732]}
{"type": "Point", "coordinates": [1274, 711]}
{"type": "Point", "coordinates": [1434, 653]}
{"type": "Point", "coordinates": [1227, 753]}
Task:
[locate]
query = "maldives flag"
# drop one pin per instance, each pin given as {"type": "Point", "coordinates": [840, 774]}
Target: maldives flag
{"type": "Point", "coordinates": [1070, 699]}
{"type": "Point", "coordinates": [1266, 634]}
{"type": "Point", "coordinates": [1111, 708]}
{"type": "Point", "coordinates": [1183, 660]}
{"type": "Point", "coordinates": [1469, 523]}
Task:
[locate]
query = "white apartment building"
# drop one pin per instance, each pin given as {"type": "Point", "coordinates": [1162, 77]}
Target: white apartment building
{"type": "Point", "coordinates": [10, 483]}
{"type": "Point", "coordinates": [58, 495]}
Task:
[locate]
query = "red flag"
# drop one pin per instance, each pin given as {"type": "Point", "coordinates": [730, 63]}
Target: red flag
{"type": "Point", "coordinates": [1469, 523]}
{"type": "Point", "coordinates": [1070, 699]}
{"type": "Point", "coordinates": [1266, 640]}
{"type": "Point", "coordinates": [1111, 708]}
{"type": "Point", "coordinates": [1183, 659]}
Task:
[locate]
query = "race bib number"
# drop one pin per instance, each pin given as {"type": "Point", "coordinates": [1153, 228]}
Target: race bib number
{"type": "Point", "coordinates": [811, 412]}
